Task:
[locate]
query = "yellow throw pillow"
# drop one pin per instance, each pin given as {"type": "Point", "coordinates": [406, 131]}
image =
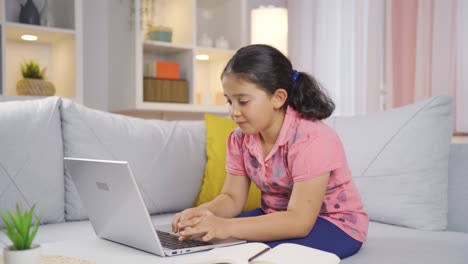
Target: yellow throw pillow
{"type": "Point", "coordinates": [217, 132]}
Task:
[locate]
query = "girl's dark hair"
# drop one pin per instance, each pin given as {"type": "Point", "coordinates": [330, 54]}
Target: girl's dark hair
{"type": "Point", "coordinates": [270, 69]}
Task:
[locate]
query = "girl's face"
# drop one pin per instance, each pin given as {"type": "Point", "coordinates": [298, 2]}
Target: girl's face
{"type": "Point", "coordinates": [250, 106]}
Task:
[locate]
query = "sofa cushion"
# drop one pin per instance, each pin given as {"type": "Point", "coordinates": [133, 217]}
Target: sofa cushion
{"type": "Point", "coordinates": [31, 153]}
{"type": "Point", "coordinates": [166, 157]}
{"type": "Point", "coordinates": [387, 244]}
{"type": "Point", "coordinates": [399, 160]}
{"type": "Point", "coordinates": [217, 132]}
{"type": "Point", "coordinates": [71, 230]}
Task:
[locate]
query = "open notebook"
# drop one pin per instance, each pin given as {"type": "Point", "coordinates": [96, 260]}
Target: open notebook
{"type": "Point", "coordinates": [283, 253]}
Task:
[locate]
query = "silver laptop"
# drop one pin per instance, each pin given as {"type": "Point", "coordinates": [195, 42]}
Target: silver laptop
{"type": "Point", "coordinates": [111, 197]}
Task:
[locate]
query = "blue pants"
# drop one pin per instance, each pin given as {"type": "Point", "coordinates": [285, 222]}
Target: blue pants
{"type": "Point", "coordinates": [324, 236]}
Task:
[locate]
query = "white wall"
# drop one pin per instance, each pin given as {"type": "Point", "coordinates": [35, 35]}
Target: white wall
{"type": "Point", "coordinates": [95, 54]}
{"type": "Point", "coordinates": [109, 53]}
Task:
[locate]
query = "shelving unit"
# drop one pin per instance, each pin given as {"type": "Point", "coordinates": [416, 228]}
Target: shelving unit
{"type": "Point", "coordinates": [58, 47]}
{"type": "Point", "coordinates": [189, 20]}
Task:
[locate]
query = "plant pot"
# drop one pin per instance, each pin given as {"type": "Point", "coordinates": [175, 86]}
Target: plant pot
{"type": "Point", "coordinates": [30, 256]}
{"type": "Point", "coordinates": [34, 87]}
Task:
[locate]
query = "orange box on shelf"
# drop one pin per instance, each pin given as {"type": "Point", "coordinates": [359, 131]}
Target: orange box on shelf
{"type": "Point", "coordinates": [167, 70]}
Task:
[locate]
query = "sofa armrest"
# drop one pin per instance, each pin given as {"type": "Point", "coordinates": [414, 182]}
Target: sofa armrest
{"type": "Point", "coordinates": [457, 188]}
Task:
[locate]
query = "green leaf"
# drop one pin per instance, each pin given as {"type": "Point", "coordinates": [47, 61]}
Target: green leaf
{"type": "Point", "coordinates": [21, 223]}
{"type": "Point", "coordinates": [17, 240]}
{"type": "Point", "coordinates": [15, 221]}
{"type": "Point", "coordinates": [33, 234]}
{"type": "Point", "coordinates": [29, 215]}
{"type": "Point", "coordinates": [18, 209]}
{"type": "Point", "coordinates": [8, 223]}
{"type": "Point", "coordinates": [31, 211]}
{"type": "Point", "coordinates": [17, 230]}
{"type": "Point", "coordinates": [26, 226]}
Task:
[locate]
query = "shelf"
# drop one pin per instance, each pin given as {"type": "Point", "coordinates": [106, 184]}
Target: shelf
{"type": "Point", "coordinates": [215, 53]}
{"type": "Point", "coordinates": [174, 107]}
{"type": "Point", "coordinates": [164, 47]}
{"type": "Point", "coordinates": [14, 31]}
{"type": "Point", "coordinates": [58, 48]}
{"type": "Point", "coordinates": [186, 18]}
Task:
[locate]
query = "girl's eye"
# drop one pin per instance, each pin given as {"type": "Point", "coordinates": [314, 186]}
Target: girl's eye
{"type": "Point", "coordinates": [228, 102]}
{"type": "Point", "coordinates": [243, 102]}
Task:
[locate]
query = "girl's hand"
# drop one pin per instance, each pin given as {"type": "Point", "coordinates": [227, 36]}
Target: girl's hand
{"type": "Point", "coordinates": [188, 214]}
{"type": "Point", "coordinates": [209, 225]}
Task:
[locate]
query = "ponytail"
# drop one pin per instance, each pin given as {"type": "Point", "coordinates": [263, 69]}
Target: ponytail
{"type": "Point", "coordinates": [309, 98]}
{"type": "Point", "coordinates": [271, 70]}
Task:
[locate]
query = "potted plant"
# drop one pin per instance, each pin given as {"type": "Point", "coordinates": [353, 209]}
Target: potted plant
{"type": "Point", "coordinates": [33, 82]}
{"type": "Point", "coordinates": [19, 229]}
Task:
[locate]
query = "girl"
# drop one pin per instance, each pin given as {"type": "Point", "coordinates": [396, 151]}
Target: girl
{"type": "Point", "coordinates": [307, 193]}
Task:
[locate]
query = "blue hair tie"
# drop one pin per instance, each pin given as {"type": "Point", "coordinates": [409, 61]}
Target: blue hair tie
{"type": "Point", "coordinates": [295, 75]}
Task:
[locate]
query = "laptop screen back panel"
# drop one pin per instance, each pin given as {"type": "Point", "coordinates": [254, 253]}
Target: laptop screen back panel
{"type": "Point", "coordinates": [114, 204]}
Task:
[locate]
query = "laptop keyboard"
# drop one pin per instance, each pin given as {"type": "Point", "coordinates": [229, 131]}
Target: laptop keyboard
{"type": "Point", "coordinates": [172, 241]}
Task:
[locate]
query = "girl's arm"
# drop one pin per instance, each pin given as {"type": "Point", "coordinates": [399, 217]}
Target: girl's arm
{"type": "Point", "coordinates": [303, 210]}
{"type": "Point", "coordinates": [230, 202]}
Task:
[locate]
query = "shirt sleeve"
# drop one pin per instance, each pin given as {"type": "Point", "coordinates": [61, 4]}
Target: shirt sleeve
{"type": "Point", "coordinates": [234, 154]}
{"type": "Point", "coordinates": [311, 157]}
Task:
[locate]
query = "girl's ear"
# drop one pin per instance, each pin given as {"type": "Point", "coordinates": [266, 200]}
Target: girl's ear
{"type": "Point", "coordinates": [279, 98]}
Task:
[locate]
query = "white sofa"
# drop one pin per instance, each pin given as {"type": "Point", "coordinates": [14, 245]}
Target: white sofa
{"type": "Point", "coordinates": [413, 181]}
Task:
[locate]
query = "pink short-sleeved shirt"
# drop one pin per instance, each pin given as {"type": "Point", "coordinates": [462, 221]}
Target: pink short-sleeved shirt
{"type": "Point", "coordinates": [303, 150]}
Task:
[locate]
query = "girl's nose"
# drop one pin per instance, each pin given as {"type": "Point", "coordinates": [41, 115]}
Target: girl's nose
{"type": "Point", "coordinates": [234, 111]}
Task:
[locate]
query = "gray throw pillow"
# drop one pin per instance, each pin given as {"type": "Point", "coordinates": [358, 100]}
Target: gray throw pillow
{"type": "Point", "coordinates": [399, 161]}
{"type": "Point", "coordinates": [167, 157]}
{"type": "Point", "coordinates": [31, 153]}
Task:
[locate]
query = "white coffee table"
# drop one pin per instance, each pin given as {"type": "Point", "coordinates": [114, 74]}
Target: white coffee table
{"type": "Point", "coordinates": [105, 252]}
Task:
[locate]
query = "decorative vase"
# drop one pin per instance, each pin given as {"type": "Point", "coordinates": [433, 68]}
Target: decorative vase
{"type": "Point", "coordinates": [222, 43]}
{"type": "Point", "coordinates": [29, 14]}
{"type": "Point", "coordinates": [45, 14]}
{"type": "Point", "coordinates": [206, 41]}
{"type": "Point", "coordinates": [30, 256]}
{"type": "Point", "coordinates": [35, 87]}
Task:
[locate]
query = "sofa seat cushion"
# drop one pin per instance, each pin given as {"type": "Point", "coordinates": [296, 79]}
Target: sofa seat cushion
{"type": "Point", "coordinates": [73, 230]}
{"type": "Point", "coordinates": [79, 230]}
{"type": "Point", "coordinates": [386, 244]}
{"type": "Point", "coordinates": [389, 244]}
{"type": "Point", "coordinates": [31, 153]}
